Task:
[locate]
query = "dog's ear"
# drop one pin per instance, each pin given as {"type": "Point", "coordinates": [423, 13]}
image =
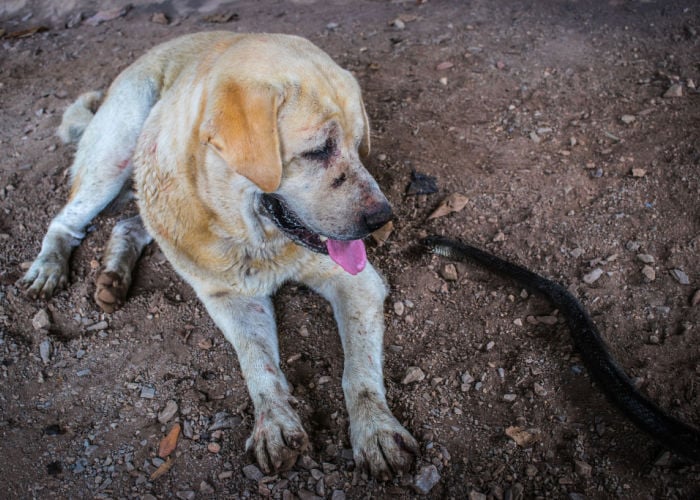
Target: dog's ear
{"type": "Point", "coordinates": [240, 123]}
{"type": "Point", "coordinates": [365, 143]}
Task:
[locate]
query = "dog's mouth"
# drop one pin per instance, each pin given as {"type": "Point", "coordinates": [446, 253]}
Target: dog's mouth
{"type": "Point", "coordinates": [348, 254]}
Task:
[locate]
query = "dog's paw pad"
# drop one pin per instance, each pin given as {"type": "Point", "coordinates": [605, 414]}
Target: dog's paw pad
{"type": "Point", "coordinates": [110, 291]}
{"type": "Point", "coordinates": [277, 440]}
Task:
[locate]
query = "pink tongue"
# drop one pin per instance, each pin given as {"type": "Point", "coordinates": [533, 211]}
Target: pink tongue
{"type": "Point", "coordinates": [350, 255]}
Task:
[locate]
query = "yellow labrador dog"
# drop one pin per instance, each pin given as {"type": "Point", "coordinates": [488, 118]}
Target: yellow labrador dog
{"type": "Point", "coordinates": [245, 151]}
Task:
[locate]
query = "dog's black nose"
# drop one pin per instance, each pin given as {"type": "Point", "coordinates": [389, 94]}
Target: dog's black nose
{"type": "Point", "coordinates": [378, 216]}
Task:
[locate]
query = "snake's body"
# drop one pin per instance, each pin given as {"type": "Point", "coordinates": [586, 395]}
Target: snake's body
{"type": "Point", "coordinates": [670, 432]}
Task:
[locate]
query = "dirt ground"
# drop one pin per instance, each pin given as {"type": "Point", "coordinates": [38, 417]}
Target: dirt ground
{"type": "Point", "coordinates": [572, 127]}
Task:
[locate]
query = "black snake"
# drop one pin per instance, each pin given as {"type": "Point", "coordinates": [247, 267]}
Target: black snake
{"type": "Point", "coordinates": [670, 432]}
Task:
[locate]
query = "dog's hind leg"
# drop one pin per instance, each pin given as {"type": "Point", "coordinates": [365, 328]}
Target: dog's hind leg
{"type": "Point", "coordinates": [102, 165]}
{"type": "Point", "coordinates": [128, 240]}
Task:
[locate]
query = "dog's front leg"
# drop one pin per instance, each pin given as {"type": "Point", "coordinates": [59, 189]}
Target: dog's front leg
{"type": "Point", "coordinates": [249, 324]}
{"type": "Point", "coordinates": [379, 441]}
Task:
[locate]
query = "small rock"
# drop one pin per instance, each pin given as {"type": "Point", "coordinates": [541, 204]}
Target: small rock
{"type": "Point", "coordinates": [398, 24]}
{"type": "Point", "coordinates": [646, 258]}
{"type": "Point", "coordinates": [654, 339]}
{"type": "Point", "coordinates": [426, 479]}
{"type": "Point", "coordinates": [509, 398]}
{"type": "Point", "coordinates": [518, 322]}
{"type": "Point", "coordinates": [41, 320]}
{"type": "Point", "coordinates": [206, 488]}
{"type": "Point", "coordinates": [675, 90]}
{"type": "Point", "coordinates": [252, 472]}
{"type": "Point", "coordinates": [476, 495]}
{"type": "Point", "coordinates": [214, 447]}
{"type": "Point", "coordinates": [582, 468]}
{"type": "Point", "coordinates": [399, 308]}
{"type": "Point", "coordinates": [633, 246]}
{"type": "Point", "coordinates": [83, 373]}
{"type": "Point", "coordinates": [449, 272]}
{"type": "Point", "coordinates": [443, 80]}
{"type": "Point", "coordinates": [638, 172]}
{"type": "Point", "coordinates": [696, 298]}
{"type": "Point", "coordinates": [332, 26]}
{"type": "Point", "coordinates": [444, 65]}
{"type": "Point", "coordinates": [382, 234]}
{"type": "Point", "coordinates": [159, 18]}
{"type": "Point", "coordinates": [223, 420]}
{"type": "Point", "coordinates": [539, 389]}
{"type": "Point", "coordinates": [185, 495]}
{"type": "Point", "coordinates": [168, 412]}
{"type": "Point", "coordinates": [99, 326]}
{"type": "Point", "coordinates": [593, 276]}
{"type": "Point", "coordinates": [467, 378]}
{"type": "Point", "coordinates": [338, 495]}
{"type": "Point", "coordinates": [535, 138]}
{"type": "Point", "coordinates": [148, 392]}
{"type": "Point", "coordinates": [649, 273]}
{"type": "Point", "coordinates": [500, 236]}
{"type": "Point", "coordinates": [628, 119]}
{"type": "Point", "coordinates": [413, 374]}
{"type": "Point", "coordinates": [680, 276]}
{"type": "Point", "coordinates": [45, 351]}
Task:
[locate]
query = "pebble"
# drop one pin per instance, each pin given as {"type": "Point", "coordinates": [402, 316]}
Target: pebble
{"type": "Point", "coordinates": [83, 373]}
{"type": "Point", "coordinates": [675, 90]}
{"type": "Point", "coordinates": [168, 412]}
{"type": "Point", "coordinates": [206, 488]}
{"type": "Point", "coordinates": [80, 353]}
{"type": "Point", "coordinates": [214, 447]}
{"type": "Point", "coordinates": [185, 495]}
{"type": "Point", "coordinates": [582, 468]}
{"type": "Point", "coordinates": [223, 420]}
{"type": "Point", "coordinates": [696, 298]}
{"type": "Point", "coordinates": [252, 472]}
{"type": "Point", "coordinates": [467, 378]}
{"type": "Point", "coordinates": [426, 479]}
{"type": "Point", "coordinates": [593, 276]}
{"type": "Point", "coordinates": [680, 276]}
{"type": "Point", "coordinates": [628, 119]}
{"type": "Point", "coordinates": [398, 24]}
{"type": "Point", "coordinates": [539, 389]}
{"type": "Point", "coordinates": [41, 320]}
{"type": "Point", "coordinates": [449, 272]}
{"type": "Point", "coordinates": [476, 495]}
{"type": "Point", "coordinates": [45, 351]}
{"type": "Point", "coordinates": [148, 392]}
{"type": "Point", "coordinates": [646, 258]}
{"type": "Point", "coordinates": [338, 495]}
{"type": "Point", "coordinates": [638, 172]}
{"type": "Point", "coordinates": [399, 308]}
{"type": "Point", "coordinates": [649, 273]}
{"type": "Point", "coordinates": [509, 398]}
{"type": "Point", "coordinates": [413, 374]}
{"type": "Point", "coordinates": [100, 325]}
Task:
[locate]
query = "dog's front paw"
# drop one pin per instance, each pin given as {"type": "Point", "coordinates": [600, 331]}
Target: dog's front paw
{"type": "Point", "coordinates": [110, 291]}
{"type": "Point", "coordinates": [278, 438]}
{"type": "Point", "coordinates": [381, 445]}
{"type": "Point", "coordinates": [45, 275]}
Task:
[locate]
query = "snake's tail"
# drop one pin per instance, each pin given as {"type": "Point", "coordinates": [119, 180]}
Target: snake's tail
{"type": "Point", "coordinates": [617, 386]}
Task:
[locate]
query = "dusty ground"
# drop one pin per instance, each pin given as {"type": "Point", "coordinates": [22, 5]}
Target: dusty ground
{"type": "Point", "coordinates": [527, 123]}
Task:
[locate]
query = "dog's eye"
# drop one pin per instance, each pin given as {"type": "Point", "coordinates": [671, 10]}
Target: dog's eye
{"type": "Point", "coordinates": [322, 153]}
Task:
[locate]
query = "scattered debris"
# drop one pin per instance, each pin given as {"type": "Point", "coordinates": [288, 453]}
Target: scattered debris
{"type": "Point", "coordinates": [169, 442]}
{"type": "Point", "coordinates": [593, 276]}
{"type": "Point", "coordinates": [680, 276]}
{"type": "Point", "coordinates": [225, 17]}
{"type": "Point", "coordinates": [421, 184]}
{"type": "Point", "coordinates": [41, 320]}
{"type": "Point", "coordinates": [413, 374]}
{"type": "Point", "coordinates": [454, 202]}
{"type": "Point", "coordinates": [426, 479]}
{"type": "Point", "coordinates": [108, 15]}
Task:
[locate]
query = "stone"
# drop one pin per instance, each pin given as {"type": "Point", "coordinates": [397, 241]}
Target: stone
{"type": "Point", "coordinates": [593, 276]}
{"type": "Point", "coordinates": [426, 479]}
{"type": "Point", "coordinates": [148, 392]}
{"type": "Point", "coordinates": [413, 374]}
{"type": "Point", "coordinates": [649, 273]}
{"type": "Point", "coordinates": [168, 412]}
{"type": "Point", "coordinates": [399, 308]}
{"type": "Point", "coordinates": [449, 272]}
{"type": "Point", "coordinates": [645, 258]}
{"type": "Point", "coordinates": [675, 90]}
{"type": "Point", "coordinates": [45, 351]}
{"type": "Point", "coordinates": [41, 320]}
{"type": "Point", "coordinates": [582, 468]}
{"type": "Point", "coordinates": [680, 276]}
{"type": "Point", "coordinates": [206, 488]}
{"type": "Point", "coordinates": [628, 119]}
{"type": "Point", "coordinates": [252, 472]}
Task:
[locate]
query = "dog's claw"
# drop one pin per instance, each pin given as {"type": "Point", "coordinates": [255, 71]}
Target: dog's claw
{"type": "Point", "coordinates": [44, 277]}
{"type": "Point", "coordinates": [278, 439]}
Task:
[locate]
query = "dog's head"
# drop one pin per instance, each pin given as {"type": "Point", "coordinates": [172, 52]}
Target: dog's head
{"type": "Point", "coordinates": [286, 117]}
